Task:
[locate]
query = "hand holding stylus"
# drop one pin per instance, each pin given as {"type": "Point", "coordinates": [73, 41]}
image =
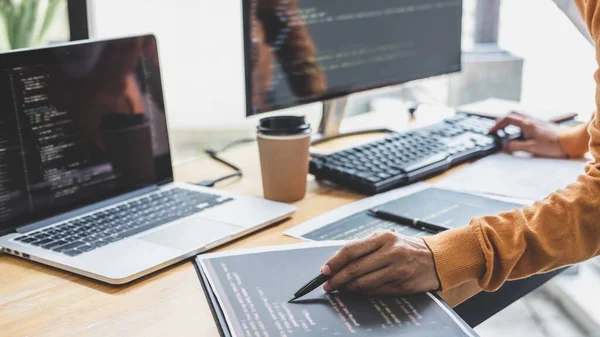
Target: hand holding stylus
{"type": "Point", "coordinates": [384, 263]}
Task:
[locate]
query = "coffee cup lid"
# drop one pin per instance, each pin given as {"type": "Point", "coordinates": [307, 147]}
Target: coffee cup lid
{"type": "Point", "coordinates": [283, 126]}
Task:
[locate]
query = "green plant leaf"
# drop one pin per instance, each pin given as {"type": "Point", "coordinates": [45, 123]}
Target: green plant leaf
{"type": "Point", "coordinates": [5, 6]}
{"type": "Point", "coordinates": [27, 22]}
{"type": "Point", "coordinates": [12, 23]}
{"type": "Point", "coordinates": [26, 25]}
{"type": "Point", "coordinates": [6, 12]}
{"type": "Point", "coordinates": [49, 17]}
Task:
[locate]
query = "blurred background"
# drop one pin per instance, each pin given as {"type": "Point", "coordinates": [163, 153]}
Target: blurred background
{"type": "Point", "coordinates": [201, 51]}
{"type": "Point", "coordinates": [202, 65]}
{"type": "Point", "coordinates": [32, 23]}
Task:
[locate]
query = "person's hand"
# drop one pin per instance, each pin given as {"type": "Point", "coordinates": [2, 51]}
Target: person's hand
{"type": "Point", "coordinates": [384, 263]}
{"type": "Point", "coordinates": [541, 138]}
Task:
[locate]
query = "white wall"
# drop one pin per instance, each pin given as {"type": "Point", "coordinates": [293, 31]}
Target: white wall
{"type": "Point", "coordinates": [200, 46]}
{"type": "Point", "coordinates": [202, 60]}
{"type": "Point", "coordinates": [559, 61]}
{"type": "Point", "coordinates": [201, 49]}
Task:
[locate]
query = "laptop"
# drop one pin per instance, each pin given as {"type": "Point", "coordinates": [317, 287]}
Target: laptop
{"type": "Point", "coordinates": [86, 179]}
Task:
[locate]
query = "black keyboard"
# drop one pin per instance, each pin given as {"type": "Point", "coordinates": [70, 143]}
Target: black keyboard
{"type": "Point", "coordinates": [403, 158]}
{"type": "Point", "coordinates": [110, 225]}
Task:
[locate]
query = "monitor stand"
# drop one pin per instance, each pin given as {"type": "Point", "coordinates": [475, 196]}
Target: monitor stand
{"type": "Point", "coordinates": [329, 129]}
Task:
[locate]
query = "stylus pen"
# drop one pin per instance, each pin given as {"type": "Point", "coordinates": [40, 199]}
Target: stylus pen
{"type": "Point", "coordinates": [310, 286]}
{"type": "Point", "coordinates": [414, 223]}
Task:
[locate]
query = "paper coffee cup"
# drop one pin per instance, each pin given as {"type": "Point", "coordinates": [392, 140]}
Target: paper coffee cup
{"type": "Point", "coordinates": [284, 144]}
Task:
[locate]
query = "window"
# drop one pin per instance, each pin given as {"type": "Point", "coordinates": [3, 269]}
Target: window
{"type": "Point", "coordinates": [559, 61]}
{"type": "Point", "coordinates": [32, 23]}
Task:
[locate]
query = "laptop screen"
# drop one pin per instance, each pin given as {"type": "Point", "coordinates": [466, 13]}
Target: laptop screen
{"type": "Point", "coordinates": [79, 123]}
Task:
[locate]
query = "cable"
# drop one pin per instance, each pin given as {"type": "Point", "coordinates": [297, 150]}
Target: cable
{"type": "Point", "coordinates": [232, 144]}
{"type": "Point", "coordinates": [214, 154]}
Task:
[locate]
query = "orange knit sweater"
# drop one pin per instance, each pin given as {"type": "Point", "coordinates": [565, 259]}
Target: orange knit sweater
{"type": "Point", "coordinates": [561, 230]}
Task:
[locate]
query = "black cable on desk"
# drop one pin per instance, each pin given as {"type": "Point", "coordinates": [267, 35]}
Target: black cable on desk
{"type": "Point", "coordinates": [214, 154]}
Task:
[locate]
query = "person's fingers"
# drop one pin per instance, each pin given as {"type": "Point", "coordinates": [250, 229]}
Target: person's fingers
{"type": "Point", "coordinates": [355, 250]}
{"type": "Point", "coordinates": [527, 145]}
{"type": "Point", "coordinates": [505, 121]}
{"type": "Point", "coordinates": [356, 269]}
{"type": "Point", "coordinates": [527, 126]}
{"type": "Point", "coordinates": [371, 281]}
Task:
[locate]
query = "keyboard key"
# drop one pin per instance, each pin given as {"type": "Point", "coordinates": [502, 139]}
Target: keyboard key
{"type": "Point", "coordinates": [99, 244]}
{"type": "Point", "coordinates": [41, 242]}
{"type": "Point", "coordinates": [85, 248]}
{"type": "Point", "coordinates": [427, 161]}
{"type": "Point", "coordinates": [384, 175]}
{"type": "Point", "coordinates": [374, 179]}
{"type": "Point", "coordinates": [69, 246]}
{"type": "Point", "coordinates": [72, 252]}
{"type": "Point", "coordinates": [112, 238]}
{"type": "Point", "coordinates": [54, 244]}
{"type": "Point", "coordinates": [26, 239]}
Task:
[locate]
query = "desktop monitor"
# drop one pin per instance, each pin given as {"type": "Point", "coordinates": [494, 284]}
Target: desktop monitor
{"type": "Point", "coordinates": [304, 51]}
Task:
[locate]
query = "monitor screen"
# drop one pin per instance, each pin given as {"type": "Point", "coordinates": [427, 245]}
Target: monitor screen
{"type": "Point", "coordinates": [78, 124]}
{"type": "Point", "coordinates": [302, 51]}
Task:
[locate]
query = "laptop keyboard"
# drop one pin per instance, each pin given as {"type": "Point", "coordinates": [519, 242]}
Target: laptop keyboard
{"type": "Point", "coordinates": [111, 225]}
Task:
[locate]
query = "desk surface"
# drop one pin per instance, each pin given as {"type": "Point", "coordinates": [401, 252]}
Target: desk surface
{"type": "Point", "coordinates": [36, 300]}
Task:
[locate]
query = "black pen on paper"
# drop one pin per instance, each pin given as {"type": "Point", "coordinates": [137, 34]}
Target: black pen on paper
{"type": "Point", "coordinates": [310, 286]}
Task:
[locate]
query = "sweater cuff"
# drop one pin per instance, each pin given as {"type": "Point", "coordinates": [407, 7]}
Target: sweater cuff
{"type": "Point", "coordinates": [574, 140]}
{"type": "Point", "coordinates": [457, 255]}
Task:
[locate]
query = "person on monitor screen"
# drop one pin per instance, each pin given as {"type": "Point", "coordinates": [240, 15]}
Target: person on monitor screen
{"type": "Point", "coordinates": [561, 230]}
{"type": "Point", "coordinates": [279, 34]}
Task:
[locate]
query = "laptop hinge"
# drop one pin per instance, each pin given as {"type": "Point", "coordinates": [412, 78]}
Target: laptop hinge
{"type": "Point", "coordinates": [86, 209]}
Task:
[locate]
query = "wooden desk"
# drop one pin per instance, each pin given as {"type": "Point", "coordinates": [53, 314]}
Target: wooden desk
{"type": "Point", "coordinates": [36, 300]}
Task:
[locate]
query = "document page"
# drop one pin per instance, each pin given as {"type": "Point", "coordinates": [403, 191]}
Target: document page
{"type": "Point", "coordinates": [515, 176]}
{"type": "Point", "coordinates": [252, 288]}
{"type": "Point", "coordinates": [497, 108]}
{"type": "Point", "coordinates": [442, 207]}
{"type": "Point", "coordinates": [446, 208]}
{"type": "Point", "coordinates": [352, 221]}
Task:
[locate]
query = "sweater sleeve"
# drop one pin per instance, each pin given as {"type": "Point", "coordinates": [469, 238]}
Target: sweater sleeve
{"type": "Point", "coordinates": [562, 229]}
{"type": "Point", "coordinates": [575, 140]}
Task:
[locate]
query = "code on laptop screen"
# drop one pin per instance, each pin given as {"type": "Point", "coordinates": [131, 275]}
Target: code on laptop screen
{"type": "Point", "coordinates": [79, 123]}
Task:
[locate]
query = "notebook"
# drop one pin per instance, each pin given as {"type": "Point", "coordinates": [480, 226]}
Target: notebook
{"type": "Point", "coordinates": [248, 291]}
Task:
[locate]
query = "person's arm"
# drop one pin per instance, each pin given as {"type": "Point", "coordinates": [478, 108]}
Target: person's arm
{"type": "Point", "coordinates": [561, 230]}
{"type": "Point", "coordinates": [575, 140]}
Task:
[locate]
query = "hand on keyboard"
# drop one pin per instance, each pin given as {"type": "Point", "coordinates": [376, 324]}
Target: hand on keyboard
{"type": "Point", "coordinates": [541, 138]}
{"type": "Point", "coordinates": [403, 158]}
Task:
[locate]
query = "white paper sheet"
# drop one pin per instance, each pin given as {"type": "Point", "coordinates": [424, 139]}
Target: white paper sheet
{"type": "Point", "coordinates": [496, 108]}
{"type": "Point", "coordinates": [515, 176]}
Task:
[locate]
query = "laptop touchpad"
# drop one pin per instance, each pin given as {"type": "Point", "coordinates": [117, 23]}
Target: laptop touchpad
{"type": "Point", "coordinates": [191, 234]}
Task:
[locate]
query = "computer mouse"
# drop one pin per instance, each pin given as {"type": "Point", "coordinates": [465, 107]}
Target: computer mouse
{"type": "Point", "coordinates": [507, 134]}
